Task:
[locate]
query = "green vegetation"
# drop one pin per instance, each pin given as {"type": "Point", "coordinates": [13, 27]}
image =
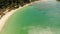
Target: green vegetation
{"type": "Point", "coordinates": [58, 0]}
{"type": "Point", "coordinates": [11, 4]}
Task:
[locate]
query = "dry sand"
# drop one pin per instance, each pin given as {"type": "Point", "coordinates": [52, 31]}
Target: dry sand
{"type": "Point", "coordinates": [5, 17]}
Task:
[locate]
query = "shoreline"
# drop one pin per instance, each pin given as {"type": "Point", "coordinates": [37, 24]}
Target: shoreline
{"type": "Point", "coordinates": [8, 14]}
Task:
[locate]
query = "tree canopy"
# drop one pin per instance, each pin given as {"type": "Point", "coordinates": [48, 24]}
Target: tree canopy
{"type": "Point", "coordinates": [12, 4]}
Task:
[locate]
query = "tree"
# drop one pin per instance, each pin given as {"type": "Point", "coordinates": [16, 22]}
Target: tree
{"type": "Point", "coordinates": [12, 4]}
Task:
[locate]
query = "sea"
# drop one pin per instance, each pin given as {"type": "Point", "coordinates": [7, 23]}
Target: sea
{"type": "Point", "coordinates": [37, 18]}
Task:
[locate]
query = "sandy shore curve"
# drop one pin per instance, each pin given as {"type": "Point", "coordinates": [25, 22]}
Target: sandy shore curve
{"type": "Point", "coordinates": [8, 14]}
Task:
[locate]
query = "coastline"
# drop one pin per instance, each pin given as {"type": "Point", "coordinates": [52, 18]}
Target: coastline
{"type": "Point", "coordinates": [8, 14]}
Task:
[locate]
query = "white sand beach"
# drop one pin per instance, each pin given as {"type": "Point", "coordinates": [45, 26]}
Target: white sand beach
{"type": "Point", "coordinates": [5, 17]}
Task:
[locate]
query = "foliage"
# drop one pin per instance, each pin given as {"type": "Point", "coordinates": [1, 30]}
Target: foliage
{"type": "Point", "coordinates": [12, 4]}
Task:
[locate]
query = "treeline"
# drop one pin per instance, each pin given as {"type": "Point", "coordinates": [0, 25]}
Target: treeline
{"type": "Point", "coordinates": [58, 0]}
{"type": "Point", "coordinates": [12, 4]}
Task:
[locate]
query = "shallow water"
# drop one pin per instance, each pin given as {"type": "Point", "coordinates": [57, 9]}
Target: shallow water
{"type": "Point", "coordinates": [38, 18]}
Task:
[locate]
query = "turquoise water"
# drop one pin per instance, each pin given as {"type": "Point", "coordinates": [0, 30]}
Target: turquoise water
{"type": "Point", "coordinates": [38, 18]}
